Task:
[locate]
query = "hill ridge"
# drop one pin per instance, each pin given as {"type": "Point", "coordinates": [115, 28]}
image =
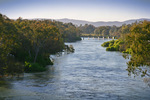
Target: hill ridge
{"type": "Point", "coordinates": [100, 23]}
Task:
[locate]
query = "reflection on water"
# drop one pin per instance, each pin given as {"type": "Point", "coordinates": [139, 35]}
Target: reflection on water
{"type": "Point", "coordinates": [89, 73]}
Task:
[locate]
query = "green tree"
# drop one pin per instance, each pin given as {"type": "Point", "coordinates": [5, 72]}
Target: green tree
{"type": "Point", "coordinates": [8, 43]}
{"type": "Point", "coordinates": [87, 29]}
{"type": "Point", "coordinates": [29, 41]}
{"type": "Point", "coordinates": [138, 42]}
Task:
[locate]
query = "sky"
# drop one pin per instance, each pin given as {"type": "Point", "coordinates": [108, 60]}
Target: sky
{"type": "Point", "coordinates": [89, 10]}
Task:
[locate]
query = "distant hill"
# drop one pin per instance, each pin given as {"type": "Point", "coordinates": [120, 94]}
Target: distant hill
{"type": "Point", "coordinates": [100, 23]}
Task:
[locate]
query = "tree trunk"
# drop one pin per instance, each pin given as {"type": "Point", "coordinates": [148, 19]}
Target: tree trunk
{"type": "Point", "coordinates": [36, 54]}
{"type": "Point", "coordinates": [29, 53]}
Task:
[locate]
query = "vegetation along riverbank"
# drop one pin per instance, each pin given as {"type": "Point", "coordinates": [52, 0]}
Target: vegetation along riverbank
{"type": "Point", "coordinates": [25, 45]}
{"type": "Point", "coordinates": [134, 40]}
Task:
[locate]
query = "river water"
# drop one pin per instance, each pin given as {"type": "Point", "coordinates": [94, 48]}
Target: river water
{"type": "Point", "coordinates": [89, 73]}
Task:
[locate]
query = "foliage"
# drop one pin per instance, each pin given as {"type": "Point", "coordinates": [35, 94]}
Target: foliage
{"type": "Point", "coordinates": [33, 67]}
{"type": "Point", "coordinates": [89, 35]}
{"type": "Point", "coordinates": [9, 40]}
{"type": "Point", "coordinates": [31, 41]}
{"type": "Point", "coordinates": [134, 40]}
{"type": "Point", "coordinates": [111, 49]}
{"type": "Point", "coordinates": [128, 51]}
{"type": "Point", "coordinates": [138, 42]}
{"type": "Point", "coordinates": [70, 33]}
{"type": "Point", "coordinates": [105, 31]}
{"type": "Point", "coordinates": [112, 31]}
{"type": "Point", "coordinates": [106, 44]}
{"type": "Point", "coordinates": [113, 45]}
{"type": "Point", "coordinates": [87, 29]}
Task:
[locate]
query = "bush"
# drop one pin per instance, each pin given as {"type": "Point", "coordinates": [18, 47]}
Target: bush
{"type": "Point", "coordinates": [44, 60]}
{"type": "Point", "coordinates": [112, 41]}
{"type": "Point", "coordinates": [128, 50]}
{"type": "Point", "coordinates": [39, 66]}
{"type": "Point", "coordinates": [110, 49]}
{"type": "Point", "coordinates": [108, 43]}
{"type": "Point", "coordinates": [113, 45]}
{"type": "Point", "coordinates": [105, 44]}
{"type": "Point", "coordinates": [33, 67]}
{"type": "Point", "coordinates": [116, 47]}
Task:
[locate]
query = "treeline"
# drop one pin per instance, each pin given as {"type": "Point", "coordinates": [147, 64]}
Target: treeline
{"type": "Point", "coordinates": [87, 29]}
{"type": "Point", "coordinates": [70, 33]}
{"type": "Point", "coordinates": [134, 40]}
{"type": "Point", "coordinates": [105, 31]}
{"type": "Point", "coordinates": [25, 45]}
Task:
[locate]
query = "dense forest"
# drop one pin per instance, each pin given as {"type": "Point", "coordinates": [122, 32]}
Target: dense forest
{"type": "Point", "coordinates": [104, 31]}
{"type": "Point", "coordinates": [87, 29]}
{"type": "Point", "coordinates": [134, 40]}
{"type": "Point", "coordinates": [70, 33]}
{"type": "Point", "coordinates": [25, 45]}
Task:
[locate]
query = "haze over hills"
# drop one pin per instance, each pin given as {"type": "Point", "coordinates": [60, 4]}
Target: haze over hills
{"type": "Point", "coordinates": [100, 23]}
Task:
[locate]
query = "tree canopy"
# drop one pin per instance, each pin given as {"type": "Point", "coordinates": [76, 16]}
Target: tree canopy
{"type": "Point", "coordinates": [138, 42]}
{"type": "Point", "coordinates": [25, 45]}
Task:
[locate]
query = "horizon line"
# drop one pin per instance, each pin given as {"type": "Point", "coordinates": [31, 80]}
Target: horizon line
{"type": "Point", "coordinates": [80, 19]}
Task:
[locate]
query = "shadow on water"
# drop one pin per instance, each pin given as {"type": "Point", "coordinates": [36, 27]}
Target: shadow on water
{"type": "Point", "coordinates": [41, 79]}
{"type": "Point", "coordinates": [33, 86]}
{"type": "Point", "coordinates": [5, 83]}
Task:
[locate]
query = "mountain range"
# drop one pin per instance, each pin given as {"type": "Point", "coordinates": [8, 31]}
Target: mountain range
{"type": "Point", "coordinates": [100, 23]}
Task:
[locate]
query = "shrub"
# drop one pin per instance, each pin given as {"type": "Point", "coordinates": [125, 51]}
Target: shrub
{"type": "Point", "coordinates": [110, 49]}
{"type": "Point", "coordinates": [105, 44]}
{"type": "Point", "coordinates": [108, 43]}
{"type": "Point", "coordinates": [33, 67]}
{"type": "Point", "coordinates": [128, 50]}
{"type": "Point", "coordinates": [114, 45]}
{"type": "Point", "coordinates": [44, 60]}
{"type": "Point", "coordinates": [111, 44]}
{"type": "Point", "coordinates": [112, 41]}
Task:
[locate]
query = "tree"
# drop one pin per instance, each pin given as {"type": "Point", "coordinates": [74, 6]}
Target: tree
{"type": "Point", "coordinates": [138, 42]}
{"type": "Point", "coordinates": [69, 32]}
{"type": "Point", "coordinates": [39, 34]}
{"type": "Point", "coordinates": [87, 29]}
{"type": "Point", "coordinates": [8, 43]}
{"type": "Point", "coordinates": [29, 41]}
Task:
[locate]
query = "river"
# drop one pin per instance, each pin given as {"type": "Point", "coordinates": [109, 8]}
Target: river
{"type": "Point", "coordinates": [89, 73]}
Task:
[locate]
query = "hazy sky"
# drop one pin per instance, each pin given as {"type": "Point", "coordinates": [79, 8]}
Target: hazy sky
{"type": "Point", "coordinates": [90, 10]}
